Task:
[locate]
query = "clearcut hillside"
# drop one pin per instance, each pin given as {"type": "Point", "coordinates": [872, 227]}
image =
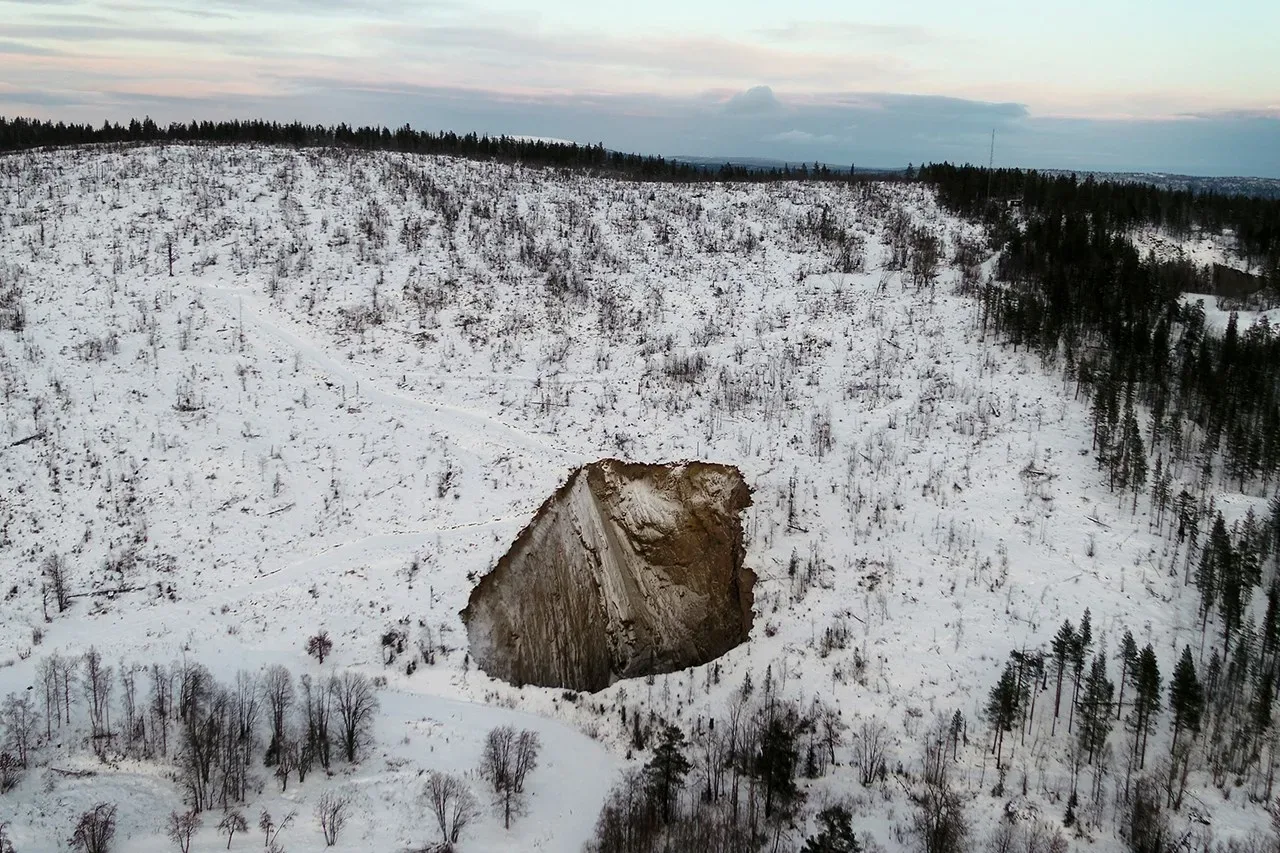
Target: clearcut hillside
{"type": "Point", "coordinates": [252, 394]}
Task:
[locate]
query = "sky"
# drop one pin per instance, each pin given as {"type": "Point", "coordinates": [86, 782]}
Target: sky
{"type": "Point", "coordinates": [1169, 86]}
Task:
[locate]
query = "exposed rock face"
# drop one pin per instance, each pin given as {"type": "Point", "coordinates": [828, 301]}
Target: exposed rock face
{"type": "Point", "coordinates": [628, 569]}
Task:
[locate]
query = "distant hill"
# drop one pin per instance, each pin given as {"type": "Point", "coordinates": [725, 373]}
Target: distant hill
{"type": "Point", "coordinates": [765, 164]}
{"type": "Point", "coordinates": [1256, 187]}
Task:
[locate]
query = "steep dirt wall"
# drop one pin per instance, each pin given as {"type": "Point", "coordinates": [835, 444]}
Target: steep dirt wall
{"type": "Point", "coordinates": [627, 569]}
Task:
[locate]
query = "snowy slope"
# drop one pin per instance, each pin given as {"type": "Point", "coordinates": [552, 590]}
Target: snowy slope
{"type": "Point", "coordinates": [364, 359]}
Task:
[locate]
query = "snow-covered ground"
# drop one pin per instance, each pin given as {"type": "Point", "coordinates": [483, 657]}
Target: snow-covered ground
{"type": "Point", "coordinates": [1203, 248]}
{"type": "Point", "coordinates": [360, 360]}
{"type": "Point", "coordinates": [1217, 319]}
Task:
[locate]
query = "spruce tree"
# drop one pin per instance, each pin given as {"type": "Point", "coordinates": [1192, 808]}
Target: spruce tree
{"type": "Point", "coordinates": [1209, 572]}
{"type": "Point", "coordinates": [1002, 708]}
{"type": "Point", "coordinates": [835, 834]}
{"type": "Point", "coordinates": [1186, 697]}
{"type": "Point", "coordinates": [1146, 702]}
{"type": "Point", "coordinates": [1271, 628]}
{"type": "Point", "coordinates": [1128, 667]}
{"type": "Point", "coordinates": [1136, 456]}
{"type": "Point", "coordinates": [776, 762]}
{"type": "Point", "coordinates": [1236, 578]}
{"type": "Point", "coordinates": [1095, 708]}
{"type": "Point", "coordinates": [1079, 654]}
{"type": "Point", "coordinates": [1063, 642]}
{"type": "Point", "coordinates": [665, 772]}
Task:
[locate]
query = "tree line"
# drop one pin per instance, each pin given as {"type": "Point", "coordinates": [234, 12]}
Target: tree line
{"type": "Point", "coordinates": [18, 134]}
{"type": "Point", "coordinates": [1070, 285]}
{"type": "Point", "coordinates": [216, 735]}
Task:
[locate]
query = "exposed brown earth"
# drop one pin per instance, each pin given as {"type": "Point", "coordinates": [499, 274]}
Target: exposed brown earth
{"type": "Point", "coordinates": [627, 569]}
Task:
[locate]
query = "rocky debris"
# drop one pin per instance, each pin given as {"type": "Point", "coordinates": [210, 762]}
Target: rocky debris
{"type": "Point", "coordinates": [628, 569]}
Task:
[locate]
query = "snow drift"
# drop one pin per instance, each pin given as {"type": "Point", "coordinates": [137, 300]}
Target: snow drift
{"type": "Point", "coordinates": [626, 570]}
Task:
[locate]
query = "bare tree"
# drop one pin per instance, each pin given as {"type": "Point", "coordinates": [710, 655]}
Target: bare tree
{"type": "Point", "coordinates": [356, 702]}
{"type": "Point", "coordinates": [453, 804]}
{"type": "Point", "coordinates": [202, 709]}
{"type": "Point", "coordinates": [528, 745]}
{"type": "Point", "coordinates": [319, 646]}
{"type": "Point", "coordinates": [21, 724]}
{"type": "Point", "coordinates": [317, 707]}
{"type": "Point", "coordinates": [95, 829]}
{"type": "Point", "coordinates": [48, 672]}
{"type": "Point", "coordinates": [97, 692]}
{"type": "Point", "coordinates": [831, 730]}
{"type": "Point", "coordinates": [160, 706]}
{"type": "Point", "coordinates": [496, 760]}
{"type": "Point", "coordinates": [54, 569]}
{"type": "Point", "coordinates": [180, 828]}
{"type": "Point", "coordinates": [135, 730]}
{"type": "Point", "coordinates": [870, 749]}
{"type": "Point", "coordinates": [233, 822]}
{"type": "Point", "coordinates": [331, 812]}
{"type": "Point", "coordinates": [6, 846]}
{"type": "Point", "coordinates": [66, 667]}
{"type": "Point", "coordinates": [277, 687]}
{"type": "Point", "coordinates": [286, 763]}
{"type": "Point", "coordinates": [939, 822]}
{"type": "Point", "coordinates": [507, 759]}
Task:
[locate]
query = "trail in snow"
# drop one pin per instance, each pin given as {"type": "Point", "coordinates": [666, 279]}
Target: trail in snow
{"type": "Point", "coordinates": [461, 424]}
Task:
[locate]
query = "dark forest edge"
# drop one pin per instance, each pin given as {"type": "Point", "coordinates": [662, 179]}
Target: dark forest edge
{"type": "Point", "coordinates": [1069, 284]}
{"type": "Point", "coordinates": [22, 134]}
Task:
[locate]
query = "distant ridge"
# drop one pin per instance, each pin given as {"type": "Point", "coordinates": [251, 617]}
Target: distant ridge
{"type": "Point", "coordinates": [767, 164]}
{"type": "Point", "coordinates": [1234, 185]}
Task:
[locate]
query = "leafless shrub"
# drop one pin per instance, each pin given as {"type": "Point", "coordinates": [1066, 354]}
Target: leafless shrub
{"type": "Point", "coordinates": [95, 829]}
{"type": "Point", "coordinates": [683, 367]}
{"type": "Point", "coordinates": [232, 822]}
{"type": "Point", "coordinates": [98, 349]}
{"type": "Point", "coordinates": [10, 772]}
{"type": "Point", "coordinates": [180, 828]}
{"type": "Point", "coordinates": [12, 316]}
{"type": "Point", "coordinates": [331, 811]}
{"type": "Point", "coordinates": [271, 830]}
{"type": "Point", "coordinates": [188, 399]}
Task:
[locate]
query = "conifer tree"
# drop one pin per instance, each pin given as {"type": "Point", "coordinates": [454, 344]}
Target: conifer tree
{"type": "Point", "coordinates": [1063, 642]}
{"type": "Point", "coordinates": [1271, 629]}
{"type": "Point", "coordinates": [1135, 457]}
{"type": "Point", "coordinates": [1079, 654]}
{"type": "Point", "coordinates": [1237, 575]}
{"type": "Point", "coordinates": [1002, 708]}
{"type": "Point", "coordinates": [1146, 702]}
{"type": "Point", "coordinates": [1186, 697]}
{"type": "Point", "coordinates": [1128, 667]}
{"type": "Point", "coordinates": [836, 833]}
{"type": "Point", "coordinates": [776, 761]}
{"type": "Point", "coordinates": [1209, 572]}
{"type": "Point", "coordinates": [665, 772]}
{"type": "Point", "coordinates": [1095, 708]}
